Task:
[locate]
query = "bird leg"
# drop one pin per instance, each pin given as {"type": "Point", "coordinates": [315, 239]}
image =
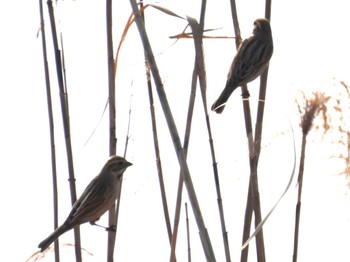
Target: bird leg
{"type": "Point", "coordinates": [245, 94]}
{"type": "Point", "coordinates": [112, 228]}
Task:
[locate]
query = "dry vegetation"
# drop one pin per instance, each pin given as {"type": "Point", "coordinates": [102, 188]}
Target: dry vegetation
{"type": "Point", "coordinates": [318, 106]}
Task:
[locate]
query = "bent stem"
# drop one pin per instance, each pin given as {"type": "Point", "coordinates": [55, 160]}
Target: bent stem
{"type": "Point", "coordinates": [208, 250]}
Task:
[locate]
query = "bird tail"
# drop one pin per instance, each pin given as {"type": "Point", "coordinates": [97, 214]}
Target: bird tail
{"type": "Point", "coordinates": [51, 238]}
{"type": "Point", "coordinates": [219, 105]}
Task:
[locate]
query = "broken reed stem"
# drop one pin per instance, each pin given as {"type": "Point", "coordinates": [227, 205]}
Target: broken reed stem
{"type": "Point", "coordinates": [207, 247]}
{"type": "Point", "coordinates": [185, 146]}
{"type": "Point", "coordinates": [201, 73]}
{"type": "Point", "coordinates": [65, 119]}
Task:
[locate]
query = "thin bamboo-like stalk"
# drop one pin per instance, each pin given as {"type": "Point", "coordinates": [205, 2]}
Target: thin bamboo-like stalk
{"type": "Point", "coordinates": [66, 125]}
{"type": "Point", "coordinates": [176, 218]}
{"type": "Point", "coordinates": [201, 73]}
{"type": "Point", "coordinates": [208, 250]}
{"type": "Point", "coordinates": [188, 236]}
{"type": "Point", "coordinates": [249, 207]}
{"type": "Point", "coordinates": [257, 147]}
{"type": "Point", "coordinates": [112, 212]}
{"type": "Point", "coordinates": [253, 195]}
{"type": "Point", "coordinates": [311, 108]}
{"type": "Point", "coordinates": [246, 108]}
{"type": "Point", "coordinates": [157, 153]}
{"type": "Point", "coordinates": [298, 206]}
{"type": "Point", "coordinates": [254, 143]}
{"type": "Point", "coordinates": [156, 144]}
{"type": "Point", "coordinates": [181, 179]}
{"type": "Point", "coordinates": [254, 178]}
{"type": "Point", "coordinates": [52, 130]}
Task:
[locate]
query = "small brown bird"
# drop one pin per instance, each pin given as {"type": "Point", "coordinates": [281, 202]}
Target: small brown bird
{"type": "Point", "coordinates": [252, 58]}
{"type": "Point", "coordinates": [97, 198]}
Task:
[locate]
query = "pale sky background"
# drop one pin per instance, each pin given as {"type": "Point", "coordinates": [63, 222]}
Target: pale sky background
{"type": "Point", "coordinates": [311, 49]}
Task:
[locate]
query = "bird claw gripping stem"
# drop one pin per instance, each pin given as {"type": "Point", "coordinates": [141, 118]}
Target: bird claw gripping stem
{"type": "Point", "coordinates": [245, 94]}
{"type": "Point", "coordinates": [112, 228]}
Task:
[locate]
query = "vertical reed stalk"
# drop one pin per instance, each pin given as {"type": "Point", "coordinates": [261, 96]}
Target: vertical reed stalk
{"type": "Point", "coordinates": [254, 143]}
{"type": "Point", "coordinates": [308, 113]}
{"type": "Point", "coordinates": [112, 213]}
{"type": "Point", "coordinates": [188, 235]}
{"type": "Point", "coordinates": [66, 124]}
{"type": "Point", "coordinates": [298, 206]}
{"type": "Point", "coordinates": [51, 126]}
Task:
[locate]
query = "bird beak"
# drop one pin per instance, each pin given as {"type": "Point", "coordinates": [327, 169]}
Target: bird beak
{"type": "Point", "coordinates": [128, 163]}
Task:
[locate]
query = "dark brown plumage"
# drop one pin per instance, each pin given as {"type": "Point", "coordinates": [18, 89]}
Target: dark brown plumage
{"type": "Point", "coordinates": [252, 58]}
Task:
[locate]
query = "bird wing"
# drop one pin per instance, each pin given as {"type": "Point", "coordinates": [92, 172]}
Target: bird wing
{"type": "Point", "coordinates": [251, 59]}
{"type": "Point", "coordinates": [91, 204]}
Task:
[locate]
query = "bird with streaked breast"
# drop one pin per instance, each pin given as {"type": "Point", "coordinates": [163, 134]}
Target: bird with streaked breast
{"type": "Point", "coordinates": [97, 198]}
{"type": "Point", "coordinates": [251, 60]}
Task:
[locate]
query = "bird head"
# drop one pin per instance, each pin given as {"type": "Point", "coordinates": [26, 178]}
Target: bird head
{"type": "Point", "coordinates": [262, 27]}
{"type": "Point", "coordinates": [116, 165]}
